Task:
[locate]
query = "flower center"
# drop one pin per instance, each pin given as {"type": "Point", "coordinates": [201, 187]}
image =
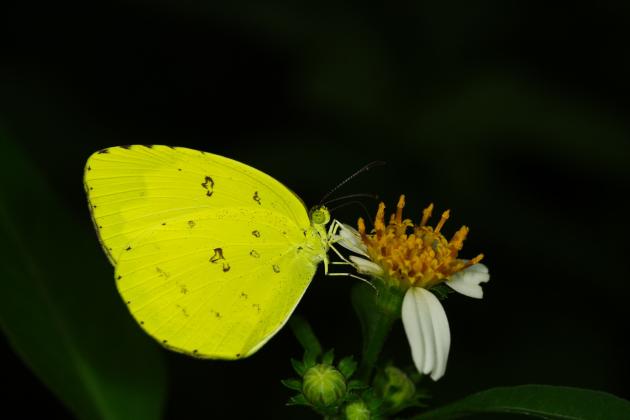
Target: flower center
{"type": "Point", "coordinates": [415, 255]}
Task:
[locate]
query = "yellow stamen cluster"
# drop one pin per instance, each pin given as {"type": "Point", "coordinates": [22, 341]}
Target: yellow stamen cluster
{"type": "Point", "coordinates": [414, 255]}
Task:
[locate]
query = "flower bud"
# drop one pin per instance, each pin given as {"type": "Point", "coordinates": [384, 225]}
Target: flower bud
{"type": "Point", "coordinates": [323, 385]}
{"type": "Point", "coordinates": [394, 387]}
{"type": "Point", "coordinates": [357, 410]}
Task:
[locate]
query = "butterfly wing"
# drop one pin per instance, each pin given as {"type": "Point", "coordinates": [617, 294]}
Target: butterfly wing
{"type": "Point", "coordinates": [134, 188]}
{"type": "Point", "coordinates": [216, 284]}
{"type": "Point", "coordinates": [211, 255]}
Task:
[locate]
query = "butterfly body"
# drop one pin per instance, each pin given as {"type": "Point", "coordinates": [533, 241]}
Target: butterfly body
{"type": "Point", "coordinates": [211, 256]}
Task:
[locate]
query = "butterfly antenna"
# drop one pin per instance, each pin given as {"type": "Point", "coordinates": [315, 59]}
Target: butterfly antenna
{"type": "Point", "coordinates": [367, 213]}
{"type": "Point", "coordinates": [360, 171]}
{"type": "Point", "coordinates": [360, 195]}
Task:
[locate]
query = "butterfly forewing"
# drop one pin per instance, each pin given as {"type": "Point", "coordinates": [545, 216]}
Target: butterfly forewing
{"type": "Point", "coordinates": [133, 188]}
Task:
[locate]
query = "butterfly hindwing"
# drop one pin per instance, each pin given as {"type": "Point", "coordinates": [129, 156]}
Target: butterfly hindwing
{"type": "Point", "coordinates": [215, 284]}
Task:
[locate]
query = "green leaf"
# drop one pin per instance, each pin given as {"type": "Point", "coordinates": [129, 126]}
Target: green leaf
{"type": "Point", "coordinates": [292, 383]}
{"type": "Point", "coordinates": [544, 401]}
{"type": "Point", "coordinates": [59, 307]}
{"type": "Point", "coordinates": [347, 366]}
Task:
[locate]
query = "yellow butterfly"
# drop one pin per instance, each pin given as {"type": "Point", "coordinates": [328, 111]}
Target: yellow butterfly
{"type": "Point", "coordinates": [211, 256]}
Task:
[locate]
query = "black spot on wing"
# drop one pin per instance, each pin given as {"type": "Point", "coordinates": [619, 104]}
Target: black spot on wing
{"type": "Point", "coordinates": [256, 197]}
{"type": "Point", "coordinates": [217, 256]}
{"type": "Point", "coordinates": [254, 253]}
{"type": "Point", "coordinates": [256, 233]}
{"type": "Point", "coordinates": [226, 267]}
{"type": "Point", "coordinates": [191, 224]}
{"type": "Point", "coordinates": [276, 268]}
{"type": "Point", "coordinates": [184, 311]}
{"type": "Point", "coordinates": [208, 185]}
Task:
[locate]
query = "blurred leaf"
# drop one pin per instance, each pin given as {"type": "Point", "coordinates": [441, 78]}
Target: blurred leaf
{"type": "Point", "coordinates": [544, 401]}
{"type": "Point", "coordinates": [59, 307]}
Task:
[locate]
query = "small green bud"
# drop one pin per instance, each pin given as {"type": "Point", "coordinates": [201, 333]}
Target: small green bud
{"type": "Point", "coordinates": [357, 410]}
{"type": "Point", "coordinates": [394, 387]}
{"type": "Point", "coordinates": [323, 385]}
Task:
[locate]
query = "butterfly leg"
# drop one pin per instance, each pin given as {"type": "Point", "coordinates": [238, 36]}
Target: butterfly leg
{"type": "Point", "coordinates": [354, 276]}
{"type": "Point", "coordinates": [331, 239]}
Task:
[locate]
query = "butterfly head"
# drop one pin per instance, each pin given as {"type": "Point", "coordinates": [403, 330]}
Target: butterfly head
{"type": "Point", "coordinates": [319, 215]}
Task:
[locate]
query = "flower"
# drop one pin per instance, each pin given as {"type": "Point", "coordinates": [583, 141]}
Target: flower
{"type": "Point", "coordinates": [416, 258]}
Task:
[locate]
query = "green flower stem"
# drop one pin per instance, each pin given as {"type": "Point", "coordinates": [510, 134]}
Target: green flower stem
{"type": "Point", "coordinates": [305, 335]}
{"type": "Point", "coordinates": [377, 311]}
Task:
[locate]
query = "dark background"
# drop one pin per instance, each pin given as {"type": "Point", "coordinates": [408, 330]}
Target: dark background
{"type": "Point", "coordinates": [513, 116]}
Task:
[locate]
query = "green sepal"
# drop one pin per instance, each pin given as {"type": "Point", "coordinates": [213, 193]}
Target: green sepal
{"type": "Point", "coordinates": [298, 366]}
{"type": "Point", "coordinates": [356, 384]}
{"type": "Point", "coordinates": [347, 366]}
{"type": "Point", "coordinates": [329, 357]}
{"type": "Point", "coordinates": [441, 291]}
{"type": "Point", "coordinates": [372, 401]}
{"type": "Point", "coordinates": [298, 400]}
{"type": "Point", "coordinates": [309, 360]}
{"type": "Point", "coordinates": [292, 383]}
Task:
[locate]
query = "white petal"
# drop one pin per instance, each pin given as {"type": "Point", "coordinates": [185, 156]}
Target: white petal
{"type": "Point", "coordinates": [427, 330]}
{"type": "Point", "coordinates": [364, 266]}
{"type": "Point", "coordinates": [467, 281]}
{"type": "Point", "coordinates": [350, 239]}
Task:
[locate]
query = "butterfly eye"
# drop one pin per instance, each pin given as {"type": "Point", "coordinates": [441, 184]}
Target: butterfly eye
{"type": "Point", "coordinates": [320, 215]}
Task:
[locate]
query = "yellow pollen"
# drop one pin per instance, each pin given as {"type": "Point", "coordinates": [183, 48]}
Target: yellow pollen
{"type": "Point", "coordinates": [443, 220]}
{"type": "Point", "coordinates": [426, 214]}
{"type": "Point", "coordinates": [414, 255]}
